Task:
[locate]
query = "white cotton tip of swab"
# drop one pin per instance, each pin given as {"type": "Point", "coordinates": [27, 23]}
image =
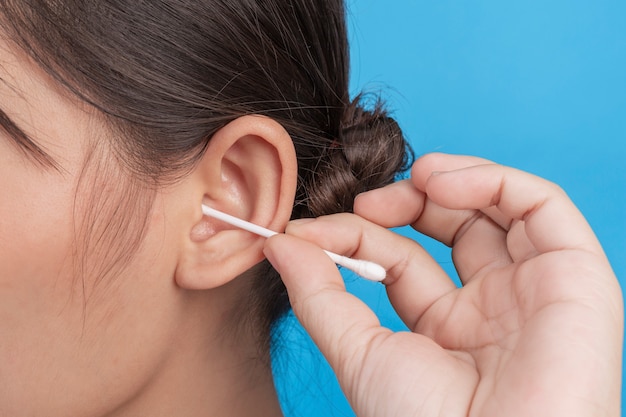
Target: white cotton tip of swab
{"type": "Point", "coordinates": [366, 269]}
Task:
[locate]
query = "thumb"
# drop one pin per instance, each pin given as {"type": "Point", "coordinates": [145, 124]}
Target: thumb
{"type": "Point", "coordinates": [340, 324]}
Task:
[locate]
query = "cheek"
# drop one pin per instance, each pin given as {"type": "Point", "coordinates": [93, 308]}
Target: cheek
{"type": "Point", "coordinates": [35, 222]}
{"type": "Point", "coordinates": [35, 256]}
{"type": "Point", "coordinates": [36, 236]}
{"type": "Point", "coordinates": [64, 343]}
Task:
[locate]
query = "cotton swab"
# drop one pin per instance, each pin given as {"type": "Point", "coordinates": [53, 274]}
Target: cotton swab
{"type": "Point", "coordinates": [368, 270]}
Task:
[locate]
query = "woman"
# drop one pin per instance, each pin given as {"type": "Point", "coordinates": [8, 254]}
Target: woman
{"type": "Point", "coordinates": [119, 120]}
{"type": "Point", "coordinates": [119, 298]}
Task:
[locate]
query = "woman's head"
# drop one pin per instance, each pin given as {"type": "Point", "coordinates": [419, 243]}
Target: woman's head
{"type": "Point", "coordinates": [120, 118]}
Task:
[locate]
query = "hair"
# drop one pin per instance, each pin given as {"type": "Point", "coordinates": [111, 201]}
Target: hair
{"type": "Point", "coordinates": [167, 74]}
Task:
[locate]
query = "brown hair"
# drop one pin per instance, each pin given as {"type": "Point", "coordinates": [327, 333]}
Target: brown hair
{"type": "Point", "coordinates": [168, 74]}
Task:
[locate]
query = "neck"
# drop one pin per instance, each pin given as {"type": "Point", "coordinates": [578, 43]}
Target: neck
{"type": "Point", "coordinates": [208, 373]}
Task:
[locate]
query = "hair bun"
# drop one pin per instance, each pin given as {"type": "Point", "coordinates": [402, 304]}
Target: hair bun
{"type": "Point", "coordinates": [368, 153]}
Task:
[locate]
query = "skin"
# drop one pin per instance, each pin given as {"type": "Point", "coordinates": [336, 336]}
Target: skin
{"type": "Point", "coordinates": [146, 337]}
{"type": "Point", "coordinates": [536, 329]}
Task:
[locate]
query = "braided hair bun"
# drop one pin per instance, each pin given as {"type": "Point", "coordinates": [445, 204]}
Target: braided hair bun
{"type": "Point", "coordinates": [368, 154]}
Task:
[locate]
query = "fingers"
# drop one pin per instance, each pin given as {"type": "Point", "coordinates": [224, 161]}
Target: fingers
{"type": "Point", "coordinates": [551, 221]}
{"type": "Point", "coordinates": [423, 168]}
{"type": "Point", "coordinates": [402, 203]}
{"type": "Point", "coordinates": [471, 204]}
{"type": "Point", "coordinates": [397, 204]}
{"type": "Point", "coordinates": [414, 280]}
{"type": "Point", "coordinates": [339, 323]}
{"type": "Point", "coordinates": [376, 369]}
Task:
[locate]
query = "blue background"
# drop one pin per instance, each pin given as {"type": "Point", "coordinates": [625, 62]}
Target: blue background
{"type": "Point", "coordinates": [539, 85]}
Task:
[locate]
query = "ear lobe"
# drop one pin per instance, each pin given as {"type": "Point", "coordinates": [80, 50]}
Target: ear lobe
{"type": "Point", "coordinates": [249, 170]}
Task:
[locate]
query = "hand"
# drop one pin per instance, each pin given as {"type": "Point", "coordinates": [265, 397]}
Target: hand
{"type": "Point", "coordinates": [536, 329]}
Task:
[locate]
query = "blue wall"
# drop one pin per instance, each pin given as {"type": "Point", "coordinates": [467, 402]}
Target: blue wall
{"type": "Point", "coordinates": [539, 85]}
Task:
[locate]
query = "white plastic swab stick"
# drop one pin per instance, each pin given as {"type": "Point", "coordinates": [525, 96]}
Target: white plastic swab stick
{"type": "Point", "coordinates": [368, 270]}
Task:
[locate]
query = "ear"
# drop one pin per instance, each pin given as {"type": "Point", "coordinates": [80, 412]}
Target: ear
{"type": "Point", "coordinates": [249, 170]}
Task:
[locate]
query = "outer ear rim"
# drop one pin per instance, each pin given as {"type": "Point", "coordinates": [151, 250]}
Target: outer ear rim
{"type": "Point", "coordinates": [205, 263]}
